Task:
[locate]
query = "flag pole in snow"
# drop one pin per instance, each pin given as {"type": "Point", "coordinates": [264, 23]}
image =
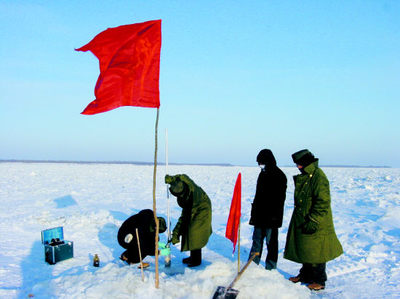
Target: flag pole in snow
{"type": "Point", "coordinates": [129, 58]}
{"type": "Point", "coordinates": [154, 199]}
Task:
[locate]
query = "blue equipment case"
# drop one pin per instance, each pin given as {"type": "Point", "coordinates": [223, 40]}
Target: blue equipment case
{"type": "Point", "coordinates": [56, 249]}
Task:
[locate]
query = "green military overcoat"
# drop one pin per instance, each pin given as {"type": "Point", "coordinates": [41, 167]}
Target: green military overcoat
{"type": "Point", "coordinates": [312, 203]}
{"type": "Point", "coordinates": [194, 224]}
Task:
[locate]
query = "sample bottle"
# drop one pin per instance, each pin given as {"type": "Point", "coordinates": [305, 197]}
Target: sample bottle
{"type": "Point", "coordinates": [96, 260]}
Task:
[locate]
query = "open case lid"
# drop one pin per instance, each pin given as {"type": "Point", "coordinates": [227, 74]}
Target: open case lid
{"type": "Point", "coordinates": [52, 233]}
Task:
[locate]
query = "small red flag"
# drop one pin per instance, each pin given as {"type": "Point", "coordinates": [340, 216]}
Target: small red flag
{"type": "Point", "coordinates": [234, 215]}
{"type": "Point", "coordinates": [129, 58]}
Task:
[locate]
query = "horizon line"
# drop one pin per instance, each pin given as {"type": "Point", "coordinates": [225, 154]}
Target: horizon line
{"type": "Point", "coordinates": [171, 163]}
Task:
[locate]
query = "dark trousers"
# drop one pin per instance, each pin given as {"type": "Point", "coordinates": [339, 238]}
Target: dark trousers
{"type": "Point", "coordinates": [310, 273]}
{"type": "Point", "coordinates": [132, 256]}
{"type": "Point", "coordinates": [271, 240]}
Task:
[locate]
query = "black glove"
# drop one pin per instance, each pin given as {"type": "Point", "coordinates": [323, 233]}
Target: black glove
{"type": "Point", "coordinates": [175, 239]}
{"type": "Point", "coordinates": [309, 227]}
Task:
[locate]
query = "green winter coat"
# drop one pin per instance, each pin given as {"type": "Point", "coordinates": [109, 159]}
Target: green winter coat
{"type": "Point", "coordinates": [194, 224]}
{"type": "Point", "coordinates": [312, 208]}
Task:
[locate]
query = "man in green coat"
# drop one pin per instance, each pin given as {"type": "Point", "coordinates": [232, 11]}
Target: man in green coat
{"type": "Point", "coordinates": [311, 238]}
{"type": "Point", "coordinates": [194, 224]}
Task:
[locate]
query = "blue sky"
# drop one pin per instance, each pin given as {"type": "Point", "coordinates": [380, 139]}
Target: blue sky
{"type": "Point", "coordinates": [236, 77]}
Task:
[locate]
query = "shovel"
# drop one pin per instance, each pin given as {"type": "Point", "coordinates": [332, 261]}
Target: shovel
{"type": "Point", "coordinates": [228, 292]}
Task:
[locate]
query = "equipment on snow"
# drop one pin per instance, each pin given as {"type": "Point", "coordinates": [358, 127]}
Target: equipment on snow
{"type": "Point", "coordinates": [96, 260]}
{"type": "Point", "coordinates": [165, 249]}
{"type": "Point", "coordinates": [56, 249]}
{"type": "Point", "coordinates": [228, 292]}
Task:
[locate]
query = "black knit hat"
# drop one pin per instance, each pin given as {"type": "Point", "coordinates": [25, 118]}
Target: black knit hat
{"type": "Point", "coordinates": [266, 157]}
{"type": "Point", "coordinates": [303, 157]}
{"type": "Point", "coordinates": [162, 226]}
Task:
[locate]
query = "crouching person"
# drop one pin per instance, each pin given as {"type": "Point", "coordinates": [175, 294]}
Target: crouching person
{"type": "Point", "coordinates": [144, 222]}
{"type": "Point", "coordinates": [194, 224]}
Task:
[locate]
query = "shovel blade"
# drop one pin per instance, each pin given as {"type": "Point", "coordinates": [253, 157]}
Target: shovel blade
{"type": "Point", "coordinates": [225, 293]}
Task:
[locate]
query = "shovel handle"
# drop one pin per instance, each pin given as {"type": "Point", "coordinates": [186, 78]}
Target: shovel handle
{"type": "Point", "coordinates": [243, 269]}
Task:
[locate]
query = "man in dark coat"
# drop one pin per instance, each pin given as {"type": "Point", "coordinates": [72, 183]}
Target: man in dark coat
{"type": "Point", "coordinates": [194, 224]}
{"type": "Point", "coordinates": [144, 222]}
{"type": "Point", "coordinates": [267, 208]}
{"type": "Point", "coordinates": [311, 239]}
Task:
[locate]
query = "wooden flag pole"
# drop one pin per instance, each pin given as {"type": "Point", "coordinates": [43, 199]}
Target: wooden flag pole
{"type": "Point", "coordinates": [239, 247]}
{"type": "Point", "coordinates": [154, 200]}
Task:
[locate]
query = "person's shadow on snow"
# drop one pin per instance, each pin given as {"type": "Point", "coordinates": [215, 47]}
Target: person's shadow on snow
{"type": "Point", "coordinates": [108, 234]}
{"type": "Point", "coordinates": [37, 275]}
{"type": "Point", "coordinates": [34, 270]}
{"type": "Point", "coordinates": [224, 247]}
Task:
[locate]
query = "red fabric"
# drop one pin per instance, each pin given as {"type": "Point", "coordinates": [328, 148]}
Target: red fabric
{"type": "Point", "coordinates": [129, 58]}
{"type": "Point", "coordinates": [234, 215]}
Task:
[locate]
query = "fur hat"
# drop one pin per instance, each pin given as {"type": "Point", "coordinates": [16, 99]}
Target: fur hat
{"type": "Point", "coordinates": [303, 157]}
{"type": "Point", "coordinates": [177, 188]}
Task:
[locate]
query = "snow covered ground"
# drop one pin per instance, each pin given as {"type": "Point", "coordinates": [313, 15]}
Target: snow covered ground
{"type": "Point", "coordinates": [92, 200]}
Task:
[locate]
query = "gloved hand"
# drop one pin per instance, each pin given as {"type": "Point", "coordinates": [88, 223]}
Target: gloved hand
{"type": "Point", "coordinates": [309, 227]}
{"type": "Point", "coordinates": [169, 179]}
{"type": "Point", "coordinates": [175, 239]}
{"type": "Point", "coordinates": [128, 238]}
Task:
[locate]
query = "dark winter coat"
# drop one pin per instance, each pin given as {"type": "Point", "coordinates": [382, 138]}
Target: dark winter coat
{"type": "Point", "coordinates": [144, 222]}
{"type": "Point", "coordinates": [194, 224]}
{"type": "Point", "coordinates": [268, 204]}
{"type": "Point", "coordinates": [311, 236]}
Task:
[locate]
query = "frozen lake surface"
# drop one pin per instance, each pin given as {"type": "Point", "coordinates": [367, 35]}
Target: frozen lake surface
{"type": "Point", "coordinates": [92, 200]}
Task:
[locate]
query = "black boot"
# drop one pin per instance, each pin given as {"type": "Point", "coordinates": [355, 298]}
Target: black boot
{"type": "Point", "coordinates": [186, 260]}
{"type": "Point", "coordinates": [195, 258]}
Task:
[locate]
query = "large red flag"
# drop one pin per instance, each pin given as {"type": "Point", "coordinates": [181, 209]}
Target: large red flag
{"type": "Point", "coordinates": [234, 215]}
{"type": "Point", "coordinates": [129, 58]}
